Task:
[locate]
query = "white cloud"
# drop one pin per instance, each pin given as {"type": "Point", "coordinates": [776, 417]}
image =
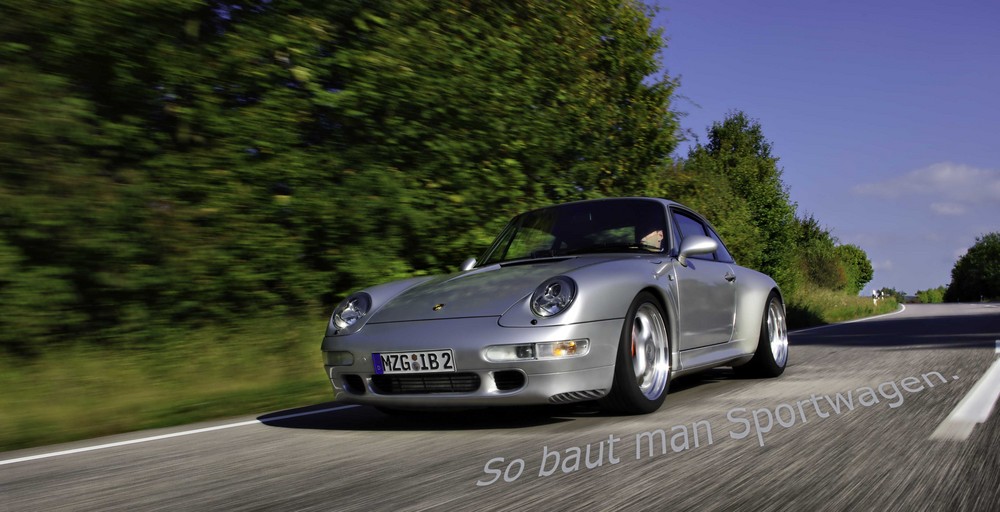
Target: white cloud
{"type": "Point", "coordinates": [949, 208]}
{"type": "Point", "coordinates": [882, 265]}
{"type": "Point", "coordinates": [952, 187]}
{"type": "Point", "coordinates": [888, 238]}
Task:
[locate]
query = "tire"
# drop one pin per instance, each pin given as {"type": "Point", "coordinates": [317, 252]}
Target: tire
{"type": "Point", "coordinates": [771, 356]}
{"type": "Point", "coordinates": [642, 368]}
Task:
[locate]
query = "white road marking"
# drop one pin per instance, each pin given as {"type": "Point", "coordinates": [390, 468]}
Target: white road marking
{"type": "Point", "coordinates": [168, 436]}
{"type": "Point", "coordinates": [975, 408]}
{"type": "Point", "coordinates": [898, 311]}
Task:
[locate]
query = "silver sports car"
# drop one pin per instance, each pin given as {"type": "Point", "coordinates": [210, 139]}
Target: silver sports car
{"type": "Point", "coordinates": [605, 300]}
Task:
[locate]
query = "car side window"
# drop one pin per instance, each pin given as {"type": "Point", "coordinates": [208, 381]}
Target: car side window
{"type": "Point", "coordinates": [688, 226]}
{"type": "Point", "coordinates": [722, 254]}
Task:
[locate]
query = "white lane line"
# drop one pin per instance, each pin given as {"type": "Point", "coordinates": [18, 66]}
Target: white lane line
{"type": "Point", "coordinates": [975, 408]}
{"type": "Point", "coordinates": [168, 436]}
{"type": "Point", "coordinates": [898, 311]}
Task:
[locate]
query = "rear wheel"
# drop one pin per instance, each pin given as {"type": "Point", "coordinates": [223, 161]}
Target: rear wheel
{"type": "Point", "coordinates": [642, 368]}
{"type": "Point", "coordinates": [772, 348]}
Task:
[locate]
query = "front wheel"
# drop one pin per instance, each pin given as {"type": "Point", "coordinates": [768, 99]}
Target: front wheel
{"type": "Point", "coordinates": [642, 368]}
{"type": "Point", "coordinates": [772, 348]}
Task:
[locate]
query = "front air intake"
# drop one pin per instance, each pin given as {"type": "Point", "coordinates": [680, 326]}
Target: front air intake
{"type": "Point", "coordinates": [508, 380]}
{"type": "Point", "coordinates": [577, 396]}
{"type": "Point", "coordinates": [354, 384]}
{"type": "Point", "coordinates": [425, 383]}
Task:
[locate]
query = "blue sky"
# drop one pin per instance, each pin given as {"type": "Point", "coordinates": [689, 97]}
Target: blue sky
{"type": "Point", "coordinates": [885, 115]}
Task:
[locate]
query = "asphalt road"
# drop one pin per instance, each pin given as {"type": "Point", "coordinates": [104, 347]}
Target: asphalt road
{"type": "Point", "coordinates": [905, 372]}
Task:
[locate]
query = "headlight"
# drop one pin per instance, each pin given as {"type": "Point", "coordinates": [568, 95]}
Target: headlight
{"type": "Point", "coordinates": [553, 296]}
{"type": "Point", "coordinates": [350, 311]}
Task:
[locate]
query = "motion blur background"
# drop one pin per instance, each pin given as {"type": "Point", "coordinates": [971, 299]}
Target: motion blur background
{"type": "Point", "coordinates": [187, 187]}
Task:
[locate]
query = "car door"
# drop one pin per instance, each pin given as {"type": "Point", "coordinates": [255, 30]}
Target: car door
{"type": "Point", "coordinates": [706, 288]}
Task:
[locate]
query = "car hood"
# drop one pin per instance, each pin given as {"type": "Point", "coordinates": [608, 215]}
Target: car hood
{"type": "Point", "coordinates": [486, 291]}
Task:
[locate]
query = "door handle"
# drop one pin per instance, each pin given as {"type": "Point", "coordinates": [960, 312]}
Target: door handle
{"type": "Point", "coordinates": [730, 276]}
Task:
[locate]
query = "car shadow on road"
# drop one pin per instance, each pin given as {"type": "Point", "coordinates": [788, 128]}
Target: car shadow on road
{"type": "Point", "coordinates": [335, 416]}
{"type": "Point", "coordinates": [371, 419]}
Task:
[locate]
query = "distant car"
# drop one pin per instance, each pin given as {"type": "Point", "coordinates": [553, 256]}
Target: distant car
{"type": "Point", "coordinates": [605, 300]}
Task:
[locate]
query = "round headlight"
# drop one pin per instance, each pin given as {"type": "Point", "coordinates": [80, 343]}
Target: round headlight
{"type": "Point", "coordinates": [351, 310]}
{"type": "Point", "coordinates": [553, 296]}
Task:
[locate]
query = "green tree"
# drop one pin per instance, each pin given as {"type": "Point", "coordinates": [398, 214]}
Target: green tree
{"type": "Point", "coordinates": [857, 266]}
{"type": "Point", "coordinates": [711, 194]}
{"type": "Point", "coordinates": [976, 275]}
{"type": "Point", "coordinates": [894, 293]}
{"type": "Point", "coordinates": [737, 149]}
{"type": "Point", "coordinates": [816, 255]}
{"type": "Point", "coordinates": [173, 162]}
{"type": "Point", "coordinates": [931, 295]}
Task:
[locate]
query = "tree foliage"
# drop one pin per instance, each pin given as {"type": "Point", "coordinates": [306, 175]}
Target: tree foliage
{"type": "Point", "coordinates": [738, 151]}
{"type": "Point", "coordinates": [931, 295]}
{"type": "Point", "coordinates": [174, 162]}
{"type": "Point", "coordinates": [976, 275]}
{"type": "Point", "coordinates": [857, 267]}
{"type": "Point", "coordinates": [816, 260]}
{"type": "Point", "coordinates": [170, 163]}
{"type": "Point", "coordinates": [711, 194]}
{"type": "Point", "coordinates": [735, 180]}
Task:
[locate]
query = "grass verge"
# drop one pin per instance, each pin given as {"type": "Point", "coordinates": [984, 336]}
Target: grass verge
{"type": "Point", "coordinates": [810, 307]}
{"type": "Point", "coordinates": [82, 392]}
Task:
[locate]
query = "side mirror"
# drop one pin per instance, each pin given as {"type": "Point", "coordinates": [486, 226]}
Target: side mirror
{"type": "Point", "coordinates": [694, 245]}
{"type": "Point", "coordinates": [468, 264]}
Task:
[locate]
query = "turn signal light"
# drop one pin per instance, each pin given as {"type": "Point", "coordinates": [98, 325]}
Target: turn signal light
{"type": "Point", "coordinates": [560, 349]}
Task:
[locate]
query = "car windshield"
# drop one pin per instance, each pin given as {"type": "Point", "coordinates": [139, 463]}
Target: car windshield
{"type": "Point", "coordinates": [612, 225]}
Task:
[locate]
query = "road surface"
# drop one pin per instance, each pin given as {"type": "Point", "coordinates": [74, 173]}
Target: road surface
{"type": "Point", "coordinates": [718, 443]}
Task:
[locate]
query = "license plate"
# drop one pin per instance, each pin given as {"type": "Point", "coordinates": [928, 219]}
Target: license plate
{"type": "Point", "coordinates": [425, 361]}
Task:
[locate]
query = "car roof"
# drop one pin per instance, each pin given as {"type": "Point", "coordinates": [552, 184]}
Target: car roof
{"type": "Point", "coordinates": [665, 202]}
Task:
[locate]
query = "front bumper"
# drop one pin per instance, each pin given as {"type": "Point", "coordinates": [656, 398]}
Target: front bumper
{"type": "Point", "coordinates": [476, 381]}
